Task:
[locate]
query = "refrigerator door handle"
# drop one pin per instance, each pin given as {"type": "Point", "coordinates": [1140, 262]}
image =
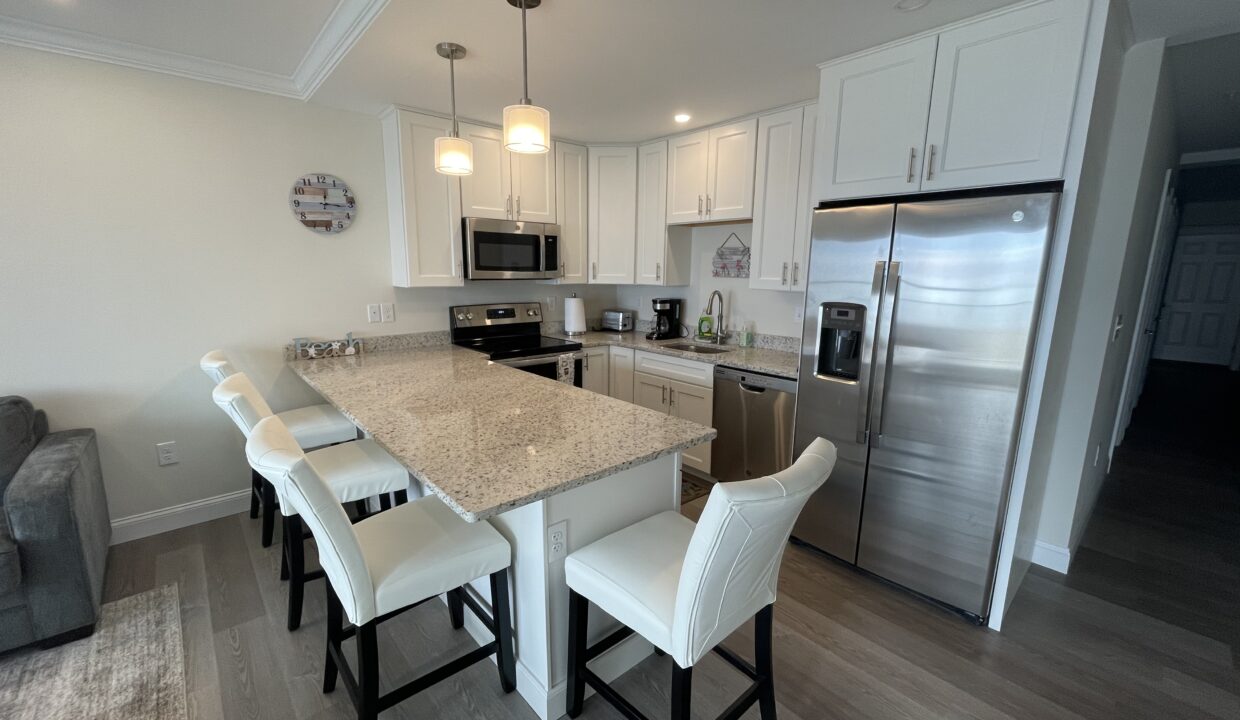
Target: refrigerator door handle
{"type": "Point", "coordinates": [888, 351]}
{"type": "Point", "coordinates": [867, 371]}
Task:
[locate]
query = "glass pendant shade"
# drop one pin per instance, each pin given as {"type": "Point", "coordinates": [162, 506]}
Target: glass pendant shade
{"type": "Point", "coordinates": [454, 156]}
{"type": "Point", "coordinates": [527, 129]}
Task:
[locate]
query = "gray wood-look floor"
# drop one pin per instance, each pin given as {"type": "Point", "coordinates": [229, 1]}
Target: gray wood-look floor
{"type": "Point", "coordinates": [1144, 627]}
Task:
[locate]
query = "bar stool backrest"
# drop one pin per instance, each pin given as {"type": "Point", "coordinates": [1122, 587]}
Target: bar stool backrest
{"type": "Point", "coordinates": [217, 366]}
{"type": "Point", "coordinates": [731, 567]}
{"type": "Point", "coordinates": [238, 397]}
{"type": "Point", "coordinates": [275, 454]}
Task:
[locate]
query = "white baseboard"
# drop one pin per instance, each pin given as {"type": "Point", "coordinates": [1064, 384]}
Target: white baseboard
{"type": "Point", "coordinates": [1051, 557]}
{"type": "Point", "coordinates": [154, 522]}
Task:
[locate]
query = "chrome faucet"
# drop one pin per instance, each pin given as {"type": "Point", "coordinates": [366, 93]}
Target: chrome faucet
{"type": "Point", "coordinates": [720, 332]}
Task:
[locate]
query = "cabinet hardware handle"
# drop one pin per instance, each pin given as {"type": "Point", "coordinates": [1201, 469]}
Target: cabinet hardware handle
{"type": "Point", "coordinates": [587, 361]}
{"type": "Point", "coordinates": [658, 271]}
{"type": "Point", "coordinates": [708, 206]}
{"type": "Point", "coordinates": [912, 158]}
{"type": "Point", "coordinates": [518, 206]}
{"type": "Point", "coordinates": [664, 400]}
{"type": "Point", "coordinates": [783, 280]}
{"type": "Point", "coordinates": [930, 163]}
{"type": "Point", "coordinates": [563, 267]}
{"type": "Point", "coordinates": [671, 398]}
{"type": "Point", "coordinates": [594, 267]}
{"type": "Point", "coordinates": [699, 206]}
{"type": "Point", "coordinates": [508, 207]}
{"type": "Point", "coordinates": [796, 273]}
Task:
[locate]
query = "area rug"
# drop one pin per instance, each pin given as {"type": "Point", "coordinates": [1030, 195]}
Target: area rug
{"type": "Point", "coordinates": [132, 667]}
{"type": "Point", "coordinates": [692, 488]}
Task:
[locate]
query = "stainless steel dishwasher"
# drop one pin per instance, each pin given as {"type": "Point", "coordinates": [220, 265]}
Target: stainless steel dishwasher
{"type": "Point", "coordinates": [753, 414]}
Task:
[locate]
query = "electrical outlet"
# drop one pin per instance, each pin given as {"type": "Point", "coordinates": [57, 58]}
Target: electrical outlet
{"type": "Point", "coordinates": [166, 453]}
{"type": "Point", "coordinates": [388, 311]}
{"type": "Point", "coordinates": [557, 542]}
{"type": "Point", "coordinates": [373, 314]}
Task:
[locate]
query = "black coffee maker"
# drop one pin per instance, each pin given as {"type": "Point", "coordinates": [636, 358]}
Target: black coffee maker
{"type": "Point", "coordinates": [666, 319]}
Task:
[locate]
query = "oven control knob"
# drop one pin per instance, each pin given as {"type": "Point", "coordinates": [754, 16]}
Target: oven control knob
{"type": "Point", "coordinates": [531, 312]}
{"type": "Point", "coordinates": [469, 316]}
{"type": "Point", "coordinates": [460, 316]}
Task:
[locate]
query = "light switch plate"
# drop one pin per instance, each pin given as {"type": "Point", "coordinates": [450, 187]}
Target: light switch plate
{"type": "Point", "coordinates": [373, 314]}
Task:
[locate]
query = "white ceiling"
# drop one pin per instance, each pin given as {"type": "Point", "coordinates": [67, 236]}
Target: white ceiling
{"type": "Point", "coordinates": [1206, 75]}
{"type": "Point", "coordinates": [618, 71]}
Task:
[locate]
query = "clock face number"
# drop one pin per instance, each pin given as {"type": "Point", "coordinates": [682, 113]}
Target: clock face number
{"type": "Point", "coordinates": [336, 203]}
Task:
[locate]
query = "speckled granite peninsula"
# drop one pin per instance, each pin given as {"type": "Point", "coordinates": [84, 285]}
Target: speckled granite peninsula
{"type": "Point", "coordinates": [488, 438]}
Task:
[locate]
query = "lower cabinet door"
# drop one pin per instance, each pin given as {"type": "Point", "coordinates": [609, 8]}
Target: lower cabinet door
{"type": "Point", "coordinates": [696, 404]}
{"type": "Point", "coordinates": [650, 391]}
{"type": "Point", "coordinates": [594, 367]}
{"type": "Point", "coordinates": [620, 368]}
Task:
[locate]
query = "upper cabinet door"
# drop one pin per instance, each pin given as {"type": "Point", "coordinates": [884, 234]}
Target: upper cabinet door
{"type": "Point", "coordinates": [487, 193]}
{"type": "Point", "coordinates": [872, 114]}
{"type": "Point", "coordinates": [572, 168]}
{"type": "Point", "coordinates": [729, 174]}
{"type": "Point", "coordinates": [424, 207]}
{"type": "Point", "coordinates": [1004, 89]}
{"type": "Point", "coordinates": [686, 178]}
{"type": "Point", "coordinates": [776, 200]}
{"type": "Point", "coordinates": [805, 203]}
{"type": "Point", "coordinates": [612, 214]}
{"type": "Point", "coordinates": [533, 186]}
{"type": "Point", "coordinates": [651, 213]}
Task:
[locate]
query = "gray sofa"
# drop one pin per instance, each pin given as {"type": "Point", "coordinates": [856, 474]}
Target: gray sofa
{"type": "Point", "coordinates": [54, 529]}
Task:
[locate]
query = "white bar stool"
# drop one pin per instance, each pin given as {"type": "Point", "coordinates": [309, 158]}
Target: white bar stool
{"type": "Point", "coordinates": [313, 426]}
{"type": "Point", "coordinates": [687, 587]}
{"type": "Point", "coordinates": [386, 564]}
{"type": "Point", "coordinates": [355, 471]}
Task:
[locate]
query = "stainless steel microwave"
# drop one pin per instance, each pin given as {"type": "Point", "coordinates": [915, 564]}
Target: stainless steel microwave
{"type": "Point", "coordinates": [511, 250]}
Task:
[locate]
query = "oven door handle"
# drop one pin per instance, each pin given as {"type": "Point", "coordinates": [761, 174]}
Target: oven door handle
{"type": "Point", "coordinates": [538, 360]}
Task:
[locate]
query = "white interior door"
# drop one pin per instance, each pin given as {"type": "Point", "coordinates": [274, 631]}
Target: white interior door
{"type": "Point", "coordinates": [729, 171]}
{"type": "Point", "coordinates": [686, 178]}
{"type": "Point", "coordinates": [1200, 313]}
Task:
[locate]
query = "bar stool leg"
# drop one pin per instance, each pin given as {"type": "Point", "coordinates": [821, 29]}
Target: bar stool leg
{"type": "Point", "coordinates": [368, 672]}
{"type": "Point", "coordinates": [456, 608]}
{"type": "Point", "coordinates": [765, 661]}
{"type": "Point", "coordinates": [578, 614]}
{"type": "Point", "coordinates": [402, 497]}
{"type": "Point", "coordinates": [335, 627]}
{"type": "Point", "coordinates": [682, 686]}
{"type": "Point", "coordinates": [284, 572]}
{"type": "Point", "coordinates": [297, 569]}
{"type": "Point", "coordinates": [256, 490]}
{"type": "Point", "coordinates": [385, 502]}
{"type": "Point", "coordinates": [503, 630]}
{"type": "Point", "coordinates": [269, 513]}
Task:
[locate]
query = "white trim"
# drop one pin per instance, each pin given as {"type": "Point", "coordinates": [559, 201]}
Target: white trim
{"type": "Point", "coordinates": [1210, 157]}
{"type": "Point", "coordinates": [343, 28]}
{"type": "Point", "coordinates": [155, 522]}
{"type": "Point", "coordinates": [1052, 557]}
{"type": "Point", "coordinates": [1208, 33]}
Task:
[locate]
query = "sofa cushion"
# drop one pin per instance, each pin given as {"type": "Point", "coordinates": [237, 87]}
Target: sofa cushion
{"type": "Point", "coordinates": [10, 563]}
{"type": "Point", "coordinates": [18, 435]}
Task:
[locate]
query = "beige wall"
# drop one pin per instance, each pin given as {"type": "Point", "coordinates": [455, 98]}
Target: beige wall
{"type": "Point", "coordinates": [144, 221]}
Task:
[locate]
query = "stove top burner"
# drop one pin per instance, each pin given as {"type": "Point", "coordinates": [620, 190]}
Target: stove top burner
{"type": "Point", "coordinates": [516, 346]}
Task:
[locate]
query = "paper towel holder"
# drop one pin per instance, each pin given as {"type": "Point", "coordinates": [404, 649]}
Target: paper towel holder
{"type": "Point", "coordinates": [574, 316]}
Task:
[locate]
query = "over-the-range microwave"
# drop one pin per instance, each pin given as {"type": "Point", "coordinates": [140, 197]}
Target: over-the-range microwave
{"type": "Point", "coordinates": [511, 250]}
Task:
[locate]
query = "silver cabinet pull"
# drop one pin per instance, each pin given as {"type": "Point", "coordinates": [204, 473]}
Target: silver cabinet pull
{"type": "Point", "coordinates": [930, 163]}
{"type": "Point", "coordinates": [664, 400]}
{"type": "Point", "coordinates": [671, 398]}
{"type": "Point", "coordinates": [508, 207]}
{"type": "Point", "coordinates": [518, 206]}
{"type": "Point", "coordinates": [783, 280]}
{"type": "Point", "coordinates": [912, 158]}
{"type": "Point", "coordinates": [658, 271]}
{"type": "Point", "coordinates": [796, 273]}
{"type": "Point", "coordinates": [594, 268]}
{"type": "Point", "coordinates": [708, 206]}
{"type": "Point", "coordinates": [586, 360]}
{"type": "Point", "coordinates": [699, 206]}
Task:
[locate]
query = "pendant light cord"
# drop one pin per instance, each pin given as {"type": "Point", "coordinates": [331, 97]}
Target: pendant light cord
{"type": "Point", "coordinates": [525, 59]}
{"type": "Point", "coordinates": [456, 130]}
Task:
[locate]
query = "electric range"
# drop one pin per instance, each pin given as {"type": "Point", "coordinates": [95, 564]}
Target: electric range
{"type": "Point", "coordinates": [511, 334]}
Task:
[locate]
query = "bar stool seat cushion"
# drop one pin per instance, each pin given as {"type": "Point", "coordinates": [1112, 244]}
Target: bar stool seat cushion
{"type": "Point", "coordinates": [422, 549]}
{"type": "Point", "coordinates": [354, 471]}
{"type": "Point", "coordinates": [318, 425]}
{"type": "Point", "coordinates": [633, 574]}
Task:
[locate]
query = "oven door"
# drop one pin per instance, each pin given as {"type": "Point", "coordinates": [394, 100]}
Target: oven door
{"type": "Point", "coordinates": [508, 250]}
{"type": "Point", "coordinates": [548, 366]}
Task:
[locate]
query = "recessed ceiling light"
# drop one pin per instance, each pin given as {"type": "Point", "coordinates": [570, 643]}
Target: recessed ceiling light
{"type": "Point", "coordinates": [681, 117]}
{"type": "Point", "coordinates": [911, 5]}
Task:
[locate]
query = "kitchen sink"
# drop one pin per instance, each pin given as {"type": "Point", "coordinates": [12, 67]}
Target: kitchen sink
{"type": "Point", "coordinates": [700, 349]}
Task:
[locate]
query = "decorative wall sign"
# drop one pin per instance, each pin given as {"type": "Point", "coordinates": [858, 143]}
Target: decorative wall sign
{"type": "Point", "coordinates": [307, 349]}
{"type": "Point", "coordinates": [731, 262]}
{"type": "Point", "coordinates": [322, 203]}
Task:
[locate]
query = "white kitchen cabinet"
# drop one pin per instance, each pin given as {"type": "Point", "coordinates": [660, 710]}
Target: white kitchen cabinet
{"type": "Point", "coordinates": [710, 174]}
{"type": "Point", "coordinates": [872, 111]}
{"type": "Point", "coordinates": [803, 233]}
{"type": "Point", "coordinates": [424, 207]}
{"type": "Point", "coordinates": [777, 200]}
{"type": "Point", "coordinates": [505, 185]}
{"type": "Point", "coordinates": [686, 178]}
{"type": "Point", "coordinates": [487, 193]}
{"type": "Point", "coordinates": [620, 370]}
{"type": "Point", "coordinates": [1004, 89]}
{"type": "Point", "coordinates": [663, 253]}
{"type": "Point", "coordinates": [594, 367]}
{"type": "Point", "coordinates": [650, 391]}
{"type": "Point", "coordinates": [612, 214]}
{"type": "Point", "coordinates": [571, 201]}
{"type": "Point", "coordinates": [696, 404]}
{"type": "Point", "coordinates": [985, 102]}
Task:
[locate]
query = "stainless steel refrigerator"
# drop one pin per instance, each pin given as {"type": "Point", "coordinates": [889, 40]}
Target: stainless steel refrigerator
{"type": "Point", "coordinates": [919, 323]}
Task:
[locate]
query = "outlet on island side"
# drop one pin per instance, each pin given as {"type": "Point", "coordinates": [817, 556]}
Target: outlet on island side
{"type": "Point", "coordinates": [166, 453]}
{"type": "Point", "coordinates": [557, 542]}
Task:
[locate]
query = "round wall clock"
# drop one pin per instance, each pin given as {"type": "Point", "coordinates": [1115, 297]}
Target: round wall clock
{"type": "Point", "coordinates": [322, 203]}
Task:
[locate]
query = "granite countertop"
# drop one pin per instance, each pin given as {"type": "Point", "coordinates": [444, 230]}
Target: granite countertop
{"type": "Point", "coordinates": [774, 362]}
{"type": "Point", "coordinates": [487, 438]}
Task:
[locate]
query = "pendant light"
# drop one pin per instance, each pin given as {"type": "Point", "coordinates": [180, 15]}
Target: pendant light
{"type": "Point", "coordinates": [527, 127]}
{"type": "Point", "coordinates": [453, 156]}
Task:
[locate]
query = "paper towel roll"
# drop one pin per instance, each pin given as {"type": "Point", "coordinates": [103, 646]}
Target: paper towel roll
{"type": "Point", "coordinates": [574, 316]}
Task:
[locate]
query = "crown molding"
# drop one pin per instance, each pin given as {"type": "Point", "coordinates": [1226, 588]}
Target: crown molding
{"type": "Point", "coordinates": [343, 28]}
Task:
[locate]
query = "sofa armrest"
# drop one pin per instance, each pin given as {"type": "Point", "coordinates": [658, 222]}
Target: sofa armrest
{"type": "Point", "coordinates": [58, 517]}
